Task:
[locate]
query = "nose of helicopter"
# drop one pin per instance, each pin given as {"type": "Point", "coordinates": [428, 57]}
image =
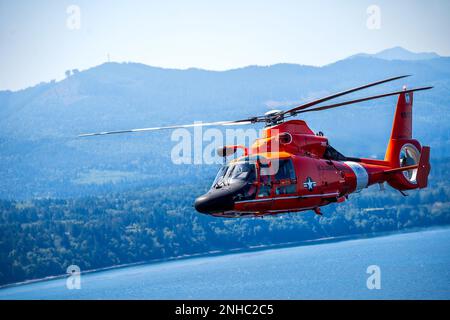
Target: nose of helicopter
{"type": "Point", "coordinates": [214, 201]}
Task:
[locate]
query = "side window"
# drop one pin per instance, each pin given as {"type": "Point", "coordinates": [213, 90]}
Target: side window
{"type": "Point", "coordinates": [285, 170]}
{"type": "Point", "coordinates": [285, 178]}
{"type": "Point", "coordinates": [264, 185]}
{"type": "Point", "coordinates": [287, 189]}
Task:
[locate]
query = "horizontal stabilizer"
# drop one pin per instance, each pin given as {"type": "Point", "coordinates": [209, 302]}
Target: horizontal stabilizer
{"type": "Point", "coordinates": [401, 169]}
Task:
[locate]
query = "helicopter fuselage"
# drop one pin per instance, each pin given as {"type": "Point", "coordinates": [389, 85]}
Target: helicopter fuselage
{"type": "Point", "coordinates": [291, 169]}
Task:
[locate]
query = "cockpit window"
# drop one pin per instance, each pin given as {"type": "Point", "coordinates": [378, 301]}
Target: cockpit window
{"type": "Point", "coordinates": [242, 171]}
{"type": "Point", "coordinates": [218, 181]}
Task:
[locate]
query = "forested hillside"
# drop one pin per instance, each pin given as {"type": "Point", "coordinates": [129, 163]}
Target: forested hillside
{"type": "Point", "coordinates": [103, 201]}
{"type": "Point", "coordinates": [43, 237]}
{"type": "Point", "coordinates": [41, 156]}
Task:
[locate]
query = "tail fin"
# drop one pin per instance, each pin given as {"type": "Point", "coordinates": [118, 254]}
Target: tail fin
{"type": "Point", "coordinates": [402, 126]}
{"type": "Point", "coordinates": [404, 151]}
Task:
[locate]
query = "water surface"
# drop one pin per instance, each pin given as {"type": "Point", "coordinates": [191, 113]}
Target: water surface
{"type": "Point", "coordinates": [413, 266]}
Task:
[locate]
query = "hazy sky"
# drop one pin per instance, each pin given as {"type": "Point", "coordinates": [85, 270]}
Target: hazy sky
{"type": "Point", "coordinates": [40, 39]}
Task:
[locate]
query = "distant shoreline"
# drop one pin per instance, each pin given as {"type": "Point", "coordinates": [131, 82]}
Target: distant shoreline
{"type": "Point", "coordinates": [311, 242]}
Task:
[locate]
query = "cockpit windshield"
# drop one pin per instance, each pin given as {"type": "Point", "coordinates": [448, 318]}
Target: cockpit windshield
{"type": "Point", "coordinates": [218, 181]}
{"type": "Point", "coordinates": [241, 171]}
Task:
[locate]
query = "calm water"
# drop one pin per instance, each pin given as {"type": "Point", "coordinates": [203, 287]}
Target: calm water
{"type": "Point", "coordinates": [413, 266]}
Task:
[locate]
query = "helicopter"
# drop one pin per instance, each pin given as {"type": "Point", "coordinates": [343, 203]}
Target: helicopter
{"type": "Point", "coordinates": [292, 169]}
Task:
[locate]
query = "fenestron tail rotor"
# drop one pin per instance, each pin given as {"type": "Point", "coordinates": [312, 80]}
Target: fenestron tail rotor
{"type": "Point", "coordinates": [276, 116]}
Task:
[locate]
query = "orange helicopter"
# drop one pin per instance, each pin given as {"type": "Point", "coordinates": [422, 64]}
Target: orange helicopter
{"type": "Point", "coordinates": [291, 169]}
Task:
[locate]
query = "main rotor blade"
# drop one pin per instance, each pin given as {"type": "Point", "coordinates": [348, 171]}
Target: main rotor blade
{"type": "Point", "coordinates": [199, 124]}
{"type": "Point", "coordinates": [363, 99]}
{"type": "Point", "coordinates": [294, 111]}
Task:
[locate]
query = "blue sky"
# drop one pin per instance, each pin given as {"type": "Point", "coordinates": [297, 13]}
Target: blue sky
{"type": "Point", "coordinates": [37, 45]}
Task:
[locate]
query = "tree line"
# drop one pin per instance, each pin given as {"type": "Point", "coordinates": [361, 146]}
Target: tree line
{"type": "Point", "coordinates": [42, 237]}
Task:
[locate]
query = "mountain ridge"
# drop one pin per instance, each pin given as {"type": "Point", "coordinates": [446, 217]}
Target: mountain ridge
{"type": "Point", "coordinates": [47, 118]}
{"type": "Point", "coordinates": [394, 53]}
{"type": "Point", "coordinates": [399, 53]}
